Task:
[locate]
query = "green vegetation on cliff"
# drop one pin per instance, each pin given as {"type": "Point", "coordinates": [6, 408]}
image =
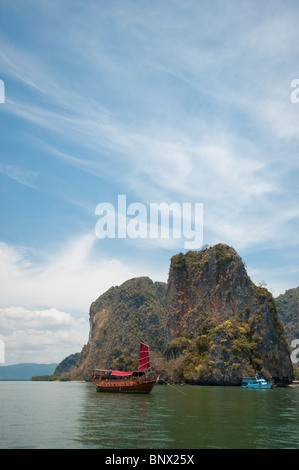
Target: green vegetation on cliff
{"type": "Point", "coordinates": [120, 319]}
{"type": "Point", "coordinates": [61, 371]}
{"type": "Point", "coordinates": [231, 344]}
{"type": "Point", "coordinates": [209, 324]}
{"type": "Point", "coordinates": [232, 326]}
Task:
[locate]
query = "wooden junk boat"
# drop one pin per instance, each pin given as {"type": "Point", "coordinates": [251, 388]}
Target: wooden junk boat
{"type": "Point", "coordinates": [118, 381]}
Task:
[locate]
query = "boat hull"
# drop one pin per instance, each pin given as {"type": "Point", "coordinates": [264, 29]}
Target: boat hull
{"type": "Point", "coordinates": [120, 387]}
{"type": "Point", "coordinates": [116, 381]}
{"type": "Point", "coordinates": [258, 386]}
{"type": "Point", "coordinates": [256, 383]}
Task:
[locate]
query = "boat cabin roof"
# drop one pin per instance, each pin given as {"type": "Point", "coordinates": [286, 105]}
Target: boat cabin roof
{"type": "Point", "coordinates": [255, 377]}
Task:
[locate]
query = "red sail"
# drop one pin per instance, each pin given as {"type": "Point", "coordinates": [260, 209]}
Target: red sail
{"type": "Point", "coordinates": [143, 357]}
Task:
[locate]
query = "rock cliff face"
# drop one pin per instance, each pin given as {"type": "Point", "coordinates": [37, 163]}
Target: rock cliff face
{"type": "Point", "coordinates": [228, 326]}
{"type": "Point", "coordinates": [208, 325]}
{"type": "Point", "coordinates": [119, 320]}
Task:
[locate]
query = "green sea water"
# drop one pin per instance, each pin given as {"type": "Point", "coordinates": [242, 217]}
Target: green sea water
{"type": "Point", "coordinates": [69, 415]}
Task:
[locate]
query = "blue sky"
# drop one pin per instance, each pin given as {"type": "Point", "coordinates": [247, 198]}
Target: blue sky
{"type": "Point", "coordinates": [185, 102]}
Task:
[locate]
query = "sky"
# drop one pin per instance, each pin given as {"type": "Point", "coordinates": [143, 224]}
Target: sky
{"type": "Point", "coordinates": [190, 102]}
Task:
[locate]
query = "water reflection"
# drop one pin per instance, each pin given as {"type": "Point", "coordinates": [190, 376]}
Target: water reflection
{"type": "Point", "coordinates": [73, 415]}
{"type": "Point", "coordinates": [206, 417]}
{"type": "Point", "coordinates": [124, 420]}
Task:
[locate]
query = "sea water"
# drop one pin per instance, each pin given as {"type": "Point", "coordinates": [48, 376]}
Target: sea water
{"type": "Point", "coordinates": [70, 415]}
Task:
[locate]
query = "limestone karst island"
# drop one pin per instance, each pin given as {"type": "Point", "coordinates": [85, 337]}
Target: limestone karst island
{"type": "Point", "coordinates": [209, 324]}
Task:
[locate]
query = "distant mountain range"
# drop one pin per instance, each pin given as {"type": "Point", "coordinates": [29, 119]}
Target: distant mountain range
{"type": "Point", "coordinates": [25, 371]}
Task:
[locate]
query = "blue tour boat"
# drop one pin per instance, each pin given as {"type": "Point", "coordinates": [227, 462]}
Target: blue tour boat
{"type": "Point", "coordinates": [257, 382]}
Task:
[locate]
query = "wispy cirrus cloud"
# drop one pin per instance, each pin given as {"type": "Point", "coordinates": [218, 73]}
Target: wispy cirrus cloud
{"type": "Point", "coordinates": [22, 176]}
{"type": "Point", "coordinates": [174, 102]}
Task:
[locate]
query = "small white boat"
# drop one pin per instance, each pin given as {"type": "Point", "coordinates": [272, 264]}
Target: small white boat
{"type": "Point", "coordinates": [257, 382]}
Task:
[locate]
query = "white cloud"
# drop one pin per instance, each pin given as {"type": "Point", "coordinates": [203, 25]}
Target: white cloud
{"type": "Point", "coordinates": [166, 161]}
{"type": "Point", "coordinates": [44, 314]}
{"type": "Point", "coordinates": [279, 115]}
{"type": "Point", "coordinates": [41, 336]}
{"type": "Point", "coordinates": [275, 36]}
{"type": "Point", "coordinates": [174, 104]}
{"type": "Point", "coordinates": [20, 175]}
{"type": "Point", "coordinates": [69, 279]}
